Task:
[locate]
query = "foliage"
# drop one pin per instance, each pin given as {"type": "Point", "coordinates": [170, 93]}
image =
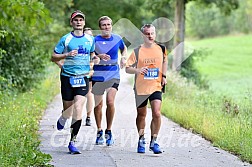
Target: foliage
{"type": "Point", "coordinates": [199, 12]}
{"type": "Point", "coordinates": [205, 22]}
{"type": "Point", "coordinates": [60, 24]}
{"type": "Point", "coordinates": [20, 114]}
{"type": "Point", "coordinates": [160, 8]}
{"type": "Point", "coordinates": [240, 20]}
{"type": "Point", "coordinates": [223, 114]}
{"type": "Point", "coordinates": [226, 6]}
{"type": "Point", "coordinates": [211, 21]}
{"type": "Point", "coordinates": [25, 49]}
{"type": "Point", "coordinates": [23, 56]}
{"type": "Point", "coordinates": [3, 33]}
{"type": "Point", "coordinates": [115, 9]}
{"type": "Point", "coordinates": [58, 9]}
{"type": "Point", "coordinates": [190, 71]}
{"type": "Point", "coordinates": [206, 113]}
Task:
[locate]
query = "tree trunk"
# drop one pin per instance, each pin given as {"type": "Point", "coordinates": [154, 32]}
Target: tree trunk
{"type": "Point", "coordinates": [179, 35]}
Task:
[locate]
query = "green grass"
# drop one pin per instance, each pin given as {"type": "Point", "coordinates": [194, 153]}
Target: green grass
{"type": "Point", "coordinates": [222, 115]}
{"type": "Point", "coordinates": [19, 123]}
{"type": "Point", "coordinates": [205, 113]}
{"type": "Point", "coordinates": [228, 67]}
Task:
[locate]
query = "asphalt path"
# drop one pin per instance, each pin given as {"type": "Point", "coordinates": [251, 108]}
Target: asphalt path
{"type": "Point", "coordinates": [181, 148]}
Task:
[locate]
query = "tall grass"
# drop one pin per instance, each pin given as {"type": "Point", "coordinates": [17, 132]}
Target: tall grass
{"type": "Point", "coordinates": [215, 117]}
{"type": "Point", "coordinates": [19, 123]}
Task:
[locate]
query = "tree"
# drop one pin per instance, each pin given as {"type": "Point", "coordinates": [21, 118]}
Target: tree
{"type": "Point", "coordinates": [163, 8]}
{"type": "Point", "coordinates": [60, 24]}
{"type": "Point", "coordinates": [179, 34]}
{"type": "Point", "coordinates": [114, 9]}
{"type": "Point", "coordinates": [225, 5]}
{"type": "Point", "coordinates": [22, 55]}
{"type": "Point", "coordinates": [202, 22]}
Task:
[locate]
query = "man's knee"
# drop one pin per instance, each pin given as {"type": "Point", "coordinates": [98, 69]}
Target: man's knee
{"type": "Point", "coordinates": [141, 112]}
{"type": "Point", "coordinates": [99, 105]}
{"type": "Point", "coordinates": [156, 114]}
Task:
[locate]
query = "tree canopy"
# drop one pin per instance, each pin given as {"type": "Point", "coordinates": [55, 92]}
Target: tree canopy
{"type": "Point", "coordinates": [30, 29]}
{"type": "Point", "coordinates": [22, 53]}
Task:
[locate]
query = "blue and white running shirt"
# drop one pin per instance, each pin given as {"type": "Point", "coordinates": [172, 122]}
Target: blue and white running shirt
{"type": "Point", "coordinates": [79, 64]}
{"type": "Point", "coordinates": [107, 70]}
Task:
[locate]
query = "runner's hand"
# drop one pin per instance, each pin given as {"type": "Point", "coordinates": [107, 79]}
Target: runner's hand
{"type": "Point", "coordinates": [143, 70]}
{"type": "Point", "coordinates": [104, 57]}
{"type": "Point", "coordinates": [72, 53]}
{"type": "Point", "coordinates": [123, 62]}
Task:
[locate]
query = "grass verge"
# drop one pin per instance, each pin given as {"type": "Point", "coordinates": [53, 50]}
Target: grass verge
{"type": "Point", "coordinates": [222, 121]}
{"type": "Point", "coordinates": [19, 124]}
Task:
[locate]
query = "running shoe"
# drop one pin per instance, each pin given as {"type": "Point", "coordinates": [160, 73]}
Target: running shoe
{"type": "Point", "coordinates": [99, 138]}
{"type": "Point", "coordinates": [155, 148]}
{"type": "Point", "coordinates": [109, 138]}
{"type": "Point", "coordinates": [61, 122]}
{"type": "Point", "coordinates": [141, 146]}
{"type": "Point", "coordinates": [72, 148]}
{"type": "Point", "coordinates": [88, 121]}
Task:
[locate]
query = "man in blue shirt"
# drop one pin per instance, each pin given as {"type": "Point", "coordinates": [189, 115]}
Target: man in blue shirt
{"type": "Point", "coordinates": [72, 53]}
{"type": "Point", "coordinates": [106, 75]}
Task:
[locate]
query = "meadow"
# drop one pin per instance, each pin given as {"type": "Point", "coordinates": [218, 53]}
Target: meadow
{"type": "Point", "coordinates": [229, 66]}
{"type": "Point", "coordinates": [222, 114]}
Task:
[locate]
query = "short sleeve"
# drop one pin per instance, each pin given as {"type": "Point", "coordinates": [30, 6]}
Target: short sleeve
{"type": "Point", "coordinates": [60, 47]}
{"type": "Point", "coordinates": [131, 60]}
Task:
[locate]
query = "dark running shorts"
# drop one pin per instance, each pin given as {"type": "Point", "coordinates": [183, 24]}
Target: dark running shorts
{"type": "Point", "coordinates": [142, 100]}
{"type": "Point", "coordinates": [68, 92]}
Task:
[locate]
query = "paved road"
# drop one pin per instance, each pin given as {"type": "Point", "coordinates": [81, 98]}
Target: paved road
{"type": "Point", "coordinates": [181, 147]}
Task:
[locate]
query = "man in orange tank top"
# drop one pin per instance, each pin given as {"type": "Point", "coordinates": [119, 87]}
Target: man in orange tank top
{"type": "Point", "coordinates": [149, 66]}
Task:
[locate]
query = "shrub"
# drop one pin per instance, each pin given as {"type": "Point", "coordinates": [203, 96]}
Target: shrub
{"type": "Point", "coordinates": [189, 70]}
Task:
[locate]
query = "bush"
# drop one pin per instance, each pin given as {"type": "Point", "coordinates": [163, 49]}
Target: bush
{"type": "Point", "coordinates": [22, 65]}
{"type": "Point", "coordinates": [189, 70]}
{"type": "Point", "coordinates": [202, 21]}
{"type": "Point", "coordinates": [22, 52]}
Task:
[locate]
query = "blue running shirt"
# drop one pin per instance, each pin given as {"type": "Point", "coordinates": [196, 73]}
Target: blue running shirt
{"type": "Point", "coordinates": [79, 64]}
{"type": "Point", "coordinates": [107, 70]}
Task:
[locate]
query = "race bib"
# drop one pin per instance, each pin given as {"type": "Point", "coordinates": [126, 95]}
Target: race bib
{"type": "Point", "coordinates": [152, 73]}
{"type": "Point", "coordinates": [77, 81]}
